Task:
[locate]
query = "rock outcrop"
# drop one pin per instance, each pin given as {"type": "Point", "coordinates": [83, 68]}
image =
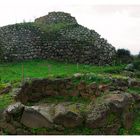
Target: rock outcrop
{"type": "Point", "coordinates": [55, 36]}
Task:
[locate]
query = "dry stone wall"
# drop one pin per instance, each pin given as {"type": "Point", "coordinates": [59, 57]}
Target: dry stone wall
{"type": "Point", "coordinates": [56, 17]}
{"type": "Point", "coordinates": [66, 41]}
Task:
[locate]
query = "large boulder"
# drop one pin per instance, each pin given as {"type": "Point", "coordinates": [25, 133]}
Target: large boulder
{"type": "Point", "coordinates": [13, 111]}
{"type": "Point", "coordinates": [107, 113]}
{"type": "Point", "coordinates": [67, 115]}
{"type": "Point", "coordinates": [49, 115]}
{"type": "Point", "coordinates": [36, 117]}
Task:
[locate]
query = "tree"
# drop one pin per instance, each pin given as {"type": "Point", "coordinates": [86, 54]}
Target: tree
{"type": "Point", "coordinates": [124, 56]}
{"type": "Point", "coordinates": [139, 55]}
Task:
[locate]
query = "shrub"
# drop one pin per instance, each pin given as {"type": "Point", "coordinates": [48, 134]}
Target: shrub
{"type": "Point", "coordinates": [124, 56]}
{"type": "Point", "coordinates": [136, 64]}
{"type": "Point", "coordinates": [139, 55]}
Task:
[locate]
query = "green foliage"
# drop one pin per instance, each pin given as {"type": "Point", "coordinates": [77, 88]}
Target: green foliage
{"type": "Point", "coordinates": [53, 27]}
{"type": "Point", "coordinates": [38, 130]}
{"type": "Point", "coordinates": [137, 74]}
{"type": "Point", "coordinates": [5, 100]}
{"type": "Point", "coordinates": [139, 55]}
{"type": "Point", "coordinates": [135, 129]}
{"type": "Point", "coordinates": [78, 131]}
{"type": "Point", "coordinates": [123, 56]}
{"type": "Point", "coordinates": [59, 99]}
{"type": "Point", "coordinates": [123, 52]}
{"type": "Point", "coordinates": [134, 90]}
{"type": "Point", "coordinates": [137, 64]}
{"type": "Point", "coordinates": [2, 86]}
{"type": "Point", "coordinates": [91, 77]}
{"type": "Point", "coordinates": [51, 31]}
{"type": "Point", "coordinates": [111, 118]}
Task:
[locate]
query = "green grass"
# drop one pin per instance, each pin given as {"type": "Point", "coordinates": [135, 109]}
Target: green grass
{"type": "Point", "coordinates": [134, 90]}
{"type": "Point", "coordinates": [5, 100]}
{"type": "Point", "coordinates": [66, 131]}
{"type": "Point", "coordinates": [59, 99]}
{"type": "Point", "coordinates": [135, 130]}
{"type": "Point", "coordinates": [78, 131]}
{"type": "Point", "coordinates": [12, 72]}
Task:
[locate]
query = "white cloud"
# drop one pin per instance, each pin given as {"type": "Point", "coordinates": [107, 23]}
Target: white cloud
{"type": "Point", "coordinates": [118, 23]}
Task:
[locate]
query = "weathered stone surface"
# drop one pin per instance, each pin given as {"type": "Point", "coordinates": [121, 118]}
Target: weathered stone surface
{"type": "Point", "coordinates": [32, 118]}
{"type": "Point", "coordinates": [56, 17]}
{"type": "Point", "coordinates": [70, 43]}
{"type": "Point", "coordinates": [8, 127]}
{"type": "Point", "coordinates": [119, 101]}
{"type": "Point", "coordinates": [103, 88]}
{"type": "Point", "coordinates": [40, 88]}
{"type": "Point", "coordinates": [81, 86]}
{"type": "Point", "coordinates": [12, 111]}
{"type": "Point", "coordinates": [136, 97]}
{"type": "Point", "coordinates": [47, 115]}
{"type": "Point", "coordinates": [97, 117]}
{"type": "Point", "coordinates": [37, 89]}
{"type": "Point", "coordinates": [128, 118]}
{"type": "Point", "coordinates": [66, 116]}
{"type": "Point", "coordinates": [15, 108]}
{"type": "Point", "coordinates": [107, 112]}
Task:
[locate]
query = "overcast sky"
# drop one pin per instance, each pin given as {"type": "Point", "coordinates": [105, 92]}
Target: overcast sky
{"type": "Point", "coordinates": [118, 21]}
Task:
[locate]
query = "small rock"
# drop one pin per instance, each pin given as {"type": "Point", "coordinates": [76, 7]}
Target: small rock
{"type": "Point", "coordinates": [103, 88]}
{"type": "Point", "coordinates": [129, 67]}
{"type": "Point", "coordinates": [78, 75]}
{"type": "Point", "coordinates": [59, 127]}
{"type": "Point", "coordinates": [81, 86]}
{"type": "Point", "coordinates": [5, 90]}
{"type": "Point", "coordinates": [15, 108]}
{"type": "Point", "coordinates": [9, 128]}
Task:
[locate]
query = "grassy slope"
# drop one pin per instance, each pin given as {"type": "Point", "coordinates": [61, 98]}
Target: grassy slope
{"type": "Point", "coordinates": [12, 73]}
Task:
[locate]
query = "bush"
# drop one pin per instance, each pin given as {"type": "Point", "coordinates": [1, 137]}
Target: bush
{"type": "Point", "coordinates": [139, 55]}
{"type": "Point", "coordinates": [124, 56]}
{"type": "Point", "coordinates": [136, 64]}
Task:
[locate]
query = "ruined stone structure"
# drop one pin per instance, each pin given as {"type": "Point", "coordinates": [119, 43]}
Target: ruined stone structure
{"type": "Point", "coordinates": [56, 36]}
{"type": "Point", "coordinates": [101, 113]}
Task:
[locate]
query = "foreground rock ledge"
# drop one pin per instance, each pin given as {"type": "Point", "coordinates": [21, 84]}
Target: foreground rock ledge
{"type": "Point", "coordinates": [106, 115]}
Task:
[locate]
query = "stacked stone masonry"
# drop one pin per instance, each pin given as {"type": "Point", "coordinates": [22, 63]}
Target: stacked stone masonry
{"type": "Point", "coordinates": [70, 42]}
